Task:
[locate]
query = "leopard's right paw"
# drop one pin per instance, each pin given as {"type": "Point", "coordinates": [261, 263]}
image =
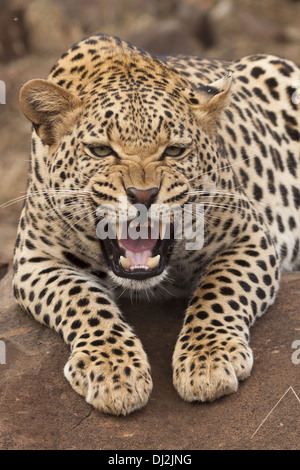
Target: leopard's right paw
{"type": "Point", "coordinates": [115, 386]}
{"type": "Point", "coordinates": [213, 371]}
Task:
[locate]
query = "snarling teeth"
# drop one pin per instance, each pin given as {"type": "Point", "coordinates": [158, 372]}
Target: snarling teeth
{"type": "Point", "coordinates": [119, 229]}
{"type": "Point", "coordinates": [139, 249]}
{"type": "Point", "coordinates": [162, 229]}
{"type": "Point", "coordinates": [125, 262]}
{"type": "Point", "coordinates": [152, 262]}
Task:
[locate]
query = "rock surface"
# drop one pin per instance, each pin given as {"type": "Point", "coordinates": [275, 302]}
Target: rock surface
{"type": "Point", "coordinates": [39, 410]}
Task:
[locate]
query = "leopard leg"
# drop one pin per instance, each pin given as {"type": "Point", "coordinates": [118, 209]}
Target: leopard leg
{"type": "Point", "coordinates": [212, 352]}
{"type": "Point", "coordinates": [107, 365]}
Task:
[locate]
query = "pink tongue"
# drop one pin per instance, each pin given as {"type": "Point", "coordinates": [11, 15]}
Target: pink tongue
{"type": "Point", "coordinates": [138, 245]}
{"type": "Point", "coordinates": [138, 250]}
{"type": "Point", "coordinates": [138, 259]}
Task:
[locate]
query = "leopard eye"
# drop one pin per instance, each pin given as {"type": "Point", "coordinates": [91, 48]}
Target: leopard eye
{"type": "Point", "coordinates": [101, 151]}
{"type": "Point", "coordinates": [174, 151]}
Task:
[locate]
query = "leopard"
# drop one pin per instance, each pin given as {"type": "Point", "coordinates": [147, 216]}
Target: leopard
{"type": "Point", "coordinates": [113, 122]}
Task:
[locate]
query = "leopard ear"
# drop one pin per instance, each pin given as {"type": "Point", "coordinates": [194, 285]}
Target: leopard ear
{"type": "Point", "coordinates": [208, 101]}
{"type": "Point", "coordinates": [51, 109]}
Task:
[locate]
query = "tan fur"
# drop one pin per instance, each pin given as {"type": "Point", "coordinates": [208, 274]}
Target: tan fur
{"type": "Point", "coordinates": [238, 128]}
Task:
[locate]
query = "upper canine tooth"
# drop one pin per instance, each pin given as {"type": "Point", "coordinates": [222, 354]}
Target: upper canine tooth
{"type": "Point", "coordinates": [119, 228]}
{"type": "Point", "coordinates": [162, 229]}
{"type": "Point", "coordinates": [153, 262]}
{"type": "Point", "coordinates": [125, 262]}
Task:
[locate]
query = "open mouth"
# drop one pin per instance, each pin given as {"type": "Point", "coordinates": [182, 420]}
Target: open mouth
{"type": "Point", "coordinates": [139, 251]}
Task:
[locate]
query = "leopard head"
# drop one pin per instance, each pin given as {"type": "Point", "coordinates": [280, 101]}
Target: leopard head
{"type": "Point", "coordinates": [136, 135]}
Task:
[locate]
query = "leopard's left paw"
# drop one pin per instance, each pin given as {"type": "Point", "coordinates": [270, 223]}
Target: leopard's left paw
{"type": "Point", "coordinates": [205, 374]}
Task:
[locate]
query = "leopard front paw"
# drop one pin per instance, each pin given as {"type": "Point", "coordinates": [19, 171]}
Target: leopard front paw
{"type": "Point", "coordinates": [114, 385]}
{"type": "Point", "coordinates": [207, 373]}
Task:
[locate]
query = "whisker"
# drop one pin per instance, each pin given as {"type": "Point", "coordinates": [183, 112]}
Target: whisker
{"type": "Point", "coordinates": [47, 192]}
{"type": "Point", "coordinates": [71, 227]}
{"type": "Point", "coordinates": [223, 167]}
{"type": "Point", "coordinates": [240, 197]}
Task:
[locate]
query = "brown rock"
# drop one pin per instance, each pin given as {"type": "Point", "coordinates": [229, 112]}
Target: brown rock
{"type": "Point", "coordinates": [39, 410]}
{"type": "Point", "coordinates": [262, 28]}
{"type": "Point", "coordinates": [166, 37]}
{"type": "Point", "coordinates": [196, 19]}
{"type": "Point", "coordinates": [49, 30]}
{"type": "Point", "coordinates": [13, 32]}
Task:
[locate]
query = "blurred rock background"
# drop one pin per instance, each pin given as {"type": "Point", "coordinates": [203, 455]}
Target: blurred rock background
{"type": "Point", "coordinates": [34, 33]}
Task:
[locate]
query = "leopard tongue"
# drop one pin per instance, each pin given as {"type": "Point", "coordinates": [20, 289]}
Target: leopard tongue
{"type": "Point", "coordinates": [139, 260]}
{"type": "Point", "coordinates": [138, 253]}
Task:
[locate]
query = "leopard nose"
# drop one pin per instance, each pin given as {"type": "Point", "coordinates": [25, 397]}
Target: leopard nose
{"type": "Point", "coordinates": [142, 196]}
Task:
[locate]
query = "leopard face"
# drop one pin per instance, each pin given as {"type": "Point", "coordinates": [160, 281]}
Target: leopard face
{"type": "Point", "coordinates": [128, 143]}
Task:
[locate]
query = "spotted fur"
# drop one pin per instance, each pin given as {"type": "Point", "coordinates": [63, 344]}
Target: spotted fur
{"type": "Point", "coordinates": [240, 127]}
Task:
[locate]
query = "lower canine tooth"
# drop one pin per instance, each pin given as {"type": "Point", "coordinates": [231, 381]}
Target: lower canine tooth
{"type": "Point", "coordinates": [153, 262]}
{"type": "Point", "coordinates": [125, 262]}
